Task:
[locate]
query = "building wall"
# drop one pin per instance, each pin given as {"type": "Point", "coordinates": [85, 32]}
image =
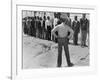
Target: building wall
{"type": "Point", "coordinates": [51, 14]}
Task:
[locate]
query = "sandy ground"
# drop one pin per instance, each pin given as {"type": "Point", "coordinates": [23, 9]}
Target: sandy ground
{"type": "Point", "coordinates": [38, 53]}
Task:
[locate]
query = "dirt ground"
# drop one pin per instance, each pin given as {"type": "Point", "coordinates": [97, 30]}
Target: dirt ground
{"type": "Point", "coordinates": [38, 53]}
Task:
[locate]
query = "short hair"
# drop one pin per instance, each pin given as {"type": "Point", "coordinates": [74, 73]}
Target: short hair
{"type": "Point", "coordinates": [68, 14]}
{"type": "Point", "coordinates": [75, 17]}
{"type": "Point", "coordinates": [48, 17]}
{"type": "Point", "coordinates": [83, 14]}
{"type": "Point", "coordinates": [63, 17]}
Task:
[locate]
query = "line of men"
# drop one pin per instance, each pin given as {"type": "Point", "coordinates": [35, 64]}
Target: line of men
{"type": "Point", "coordinates": [38, 27]}
{"type": "Point", "coordinates": [41, 27]}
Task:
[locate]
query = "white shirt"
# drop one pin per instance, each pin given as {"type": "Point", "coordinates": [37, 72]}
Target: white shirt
{"type": "Point", "coordinates": [62, 31]}
{"type": "Point", "coordinates": [55, 21]}
{"type": "Point", "coordinates": [47, 23]}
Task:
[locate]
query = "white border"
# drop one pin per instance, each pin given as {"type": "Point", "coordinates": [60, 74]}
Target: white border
{"type": "Point", "coordinates": [36, 73]}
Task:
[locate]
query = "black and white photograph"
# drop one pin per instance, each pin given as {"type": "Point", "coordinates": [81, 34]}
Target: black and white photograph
{"type": "Point", "coordinates": [55, 39]}
{"type": "Point", "coordinates": [50, 40]}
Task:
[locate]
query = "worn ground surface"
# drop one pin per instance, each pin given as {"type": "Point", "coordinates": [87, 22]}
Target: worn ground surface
{"type": "Point", "coordinates": [38, 53]}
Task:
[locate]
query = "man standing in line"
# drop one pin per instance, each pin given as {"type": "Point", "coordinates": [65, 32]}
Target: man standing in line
{"type": "Point", "coordinates": [63, 37]}
{"type": "Point", "coordinates": [55, 24]}
{"type": "Point", "coordinates": [84, 26]}
{"type": "Point", "coordinates": [48, 26]}
{"type": "Point", "coordinates": [43, 26]}
{"type": "Point", "coordinates": [76, 28]}
{"type": "Point", "coordinates": [69, 23]}
{"type": "Point", "coordinates": [37, 26]}
{"type": "Point", "coordinates": [28, 24]}
{"type": "Point", "coordinates": [33, 27]}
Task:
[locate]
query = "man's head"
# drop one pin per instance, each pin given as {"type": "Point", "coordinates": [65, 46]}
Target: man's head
{"type": "Point", "coordinates": [48, 17]}
{"type": "Point", "coordinates": [84, 15]}
{"type": "Point", "coordinates": [35, 17]}
{"type": "Point", "coordinates": [75, 17]}
{"type": "Point", "coordinates": [40, 18]}
{"type": "Point", "coordinates": [63, 18]}
{"type": "Point", "coordinates": [68, 14]}
{"type": "Point", "coordinates": [44, 17]}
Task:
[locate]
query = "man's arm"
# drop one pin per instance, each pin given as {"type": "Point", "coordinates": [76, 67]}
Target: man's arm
{"type": "Point", "coordinates": [54, 30]}
{"type": "Point", "coordinates": [71, 32]}
{"type": "Point", "coordinates": [73, 25]}
{"type": "Point", "coordinates": [46, 25]}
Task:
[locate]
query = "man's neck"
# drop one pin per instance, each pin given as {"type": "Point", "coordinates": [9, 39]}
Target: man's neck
{"type": "Point", "coordinates": [84, 18]}
{"type": "Point", "coordinates": [64, 24]}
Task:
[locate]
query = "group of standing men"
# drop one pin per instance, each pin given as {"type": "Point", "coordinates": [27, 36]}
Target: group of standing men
{"type": "Point", "coordinates": [38, 27]}
{"type": "Point", "coordinates": [80, 26]}
{"type": "Point", "coordinates": [65, 32]}
{"type": "Point", "coordinates": [41, 27]}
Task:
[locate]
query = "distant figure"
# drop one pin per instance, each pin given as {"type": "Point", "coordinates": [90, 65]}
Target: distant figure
{"type": "Point", "coordinates": [40, 27]}
{"type": "Point", "coordinates": [28, 24]}
{"type": "Point", "coordinates": [63, 37]}
{"type": "Point", "coordinates": [69, 20]}
{"type": "Point", "coordinates": [56, 22]}
{"type": "Point", "coordinates": [76, 28]}
{"type": "Point", "coordinates": [48, 26]}
{"type": "Point", "coordinates": [43, 28]}
{"type": "Point", "coordinates": [24, 26]}
{"type": "Point", "coordinates": [37, 26]}
{"type": "Point", "coordinates": [69, 23]}
{"type": "Point", "coordinates": [84, 23]}
{"type": "Point", "coordinates": [33, 27]}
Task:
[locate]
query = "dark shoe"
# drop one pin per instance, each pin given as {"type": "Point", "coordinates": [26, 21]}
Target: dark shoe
{"type": "Point", "coordinates": [85, 45]}
{"type": "Point", "coordinates": [76, 44]}
{"type": "Point", "coordinates": [82, 46]}
{"type": "Point", "coordinates": [59, 66]}
{"type": "Point", "coordinates": [71, 65]}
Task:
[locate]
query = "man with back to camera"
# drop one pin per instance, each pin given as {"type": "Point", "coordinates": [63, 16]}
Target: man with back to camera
{"type": "Point", "coordinates": [63, 37]}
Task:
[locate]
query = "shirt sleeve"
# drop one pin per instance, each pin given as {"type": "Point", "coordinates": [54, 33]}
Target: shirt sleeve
{"type": "Point", "coordinates": [71, 31]}
{"type": "Point", "coordinates": [55, 29]}
{"type": "Point", "coordinates": [45, 24]}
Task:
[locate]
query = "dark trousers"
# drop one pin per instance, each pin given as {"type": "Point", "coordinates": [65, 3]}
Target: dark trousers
{"type": "Point", "coordinates": [68, 35]}
{"type": "Point", "coordinates": [83, 37]}
{"type": "Point", "coordinates": [48, 32]}
{"type": "Point", "coordinates": [63, 42]}
{"type": "Point", "coordinates": [75, 38]}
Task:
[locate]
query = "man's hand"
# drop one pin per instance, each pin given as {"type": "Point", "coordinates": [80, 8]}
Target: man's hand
{"type": "Point", "coordinates": [70, 36]}
{"type": "Point", "coordinates": [55, 35]}
{"type": "Point", "coordinates": [71, 33]}
{"type": "Point", "coordinates": [53, 32]}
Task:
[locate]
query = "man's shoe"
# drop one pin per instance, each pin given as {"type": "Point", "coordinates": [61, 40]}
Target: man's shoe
{"type": "Point", "coordinates": [71, 65]}
{"type": "Point", "coordinates": [58, 66]}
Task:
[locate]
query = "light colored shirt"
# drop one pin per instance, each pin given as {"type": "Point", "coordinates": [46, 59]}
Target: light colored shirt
{"type": "Point", "coordinates": [55, 21]}
{"type": "Point", "coordinates": [62, 30]}
{"type": "Point", "coordinates": [48, 23]}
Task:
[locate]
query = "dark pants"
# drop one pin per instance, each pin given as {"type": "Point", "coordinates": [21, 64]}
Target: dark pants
{"type": "Point", "coordinates": [83, 37]}
{"type": "Point", "coordinates": [63, 42]}
{"type": "Point", "coordinates": [68, 35]}
{"type": "Point", "coordinates": [48, 32]}
{"type": "Point", "coordinates": [75, 40]}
